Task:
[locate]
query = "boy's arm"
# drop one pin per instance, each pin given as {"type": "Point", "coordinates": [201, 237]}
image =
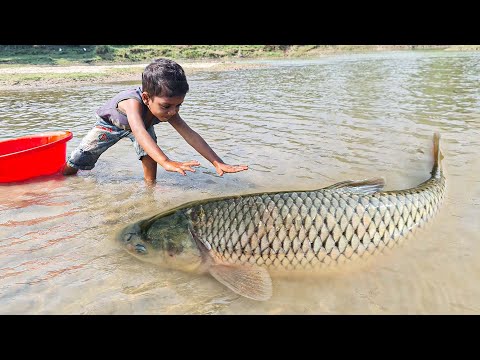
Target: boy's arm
{"type": "Point", "coordinates": [199, 144]}
{"type": "Point", "coordinates": [133, 109]}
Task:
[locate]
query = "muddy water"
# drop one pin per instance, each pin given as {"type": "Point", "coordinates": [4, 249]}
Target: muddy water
{"type": "Point", "coordinates": [298, 124]}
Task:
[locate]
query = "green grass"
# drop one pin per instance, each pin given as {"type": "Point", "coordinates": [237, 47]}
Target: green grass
{"type": "Point", "coordinates": [101, 54]}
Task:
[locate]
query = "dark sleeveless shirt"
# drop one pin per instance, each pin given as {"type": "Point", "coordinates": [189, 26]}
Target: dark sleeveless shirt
{"type": "Point", "coordinates": [110, 112]}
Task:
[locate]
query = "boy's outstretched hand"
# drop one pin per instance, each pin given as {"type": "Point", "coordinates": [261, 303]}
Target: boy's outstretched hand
{"type": "Point", "coordinates": [180, 167]}
{"type": "Point", "coordinates": [225, 168]}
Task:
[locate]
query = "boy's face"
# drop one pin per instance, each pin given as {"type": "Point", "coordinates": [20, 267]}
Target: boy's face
{"type": "Point", "coordinates": [163, 107]}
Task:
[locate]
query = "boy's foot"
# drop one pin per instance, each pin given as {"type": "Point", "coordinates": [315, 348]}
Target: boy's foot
{"type": "Point", "coordinates": [67, 170]}
{"type": "Point", "coordinates": [150, 183]}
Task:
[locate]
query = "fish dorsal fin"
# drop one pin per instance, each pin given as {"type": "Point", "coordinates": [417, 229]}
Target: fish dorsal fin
{"type": "Point", "coordinates": [364, 187]}
{"type": "Point", "coordinates": [253, 282]}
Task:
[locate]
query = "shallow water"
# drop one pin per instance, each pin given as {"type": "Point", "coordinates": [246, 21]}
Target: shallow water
{"type": "Point", "coordinates": [298, 124]}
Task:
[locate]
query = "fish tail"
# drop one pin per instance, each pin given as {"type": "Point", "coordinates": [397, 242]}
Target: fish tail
{"type": "Point", "coordinates": [437, 155]}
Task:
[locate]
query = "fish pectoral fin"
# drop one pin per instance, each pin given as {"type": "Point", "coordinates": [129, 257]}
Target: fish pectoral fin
{"type": "Point", "coordinates": [364, 187]}
{"type": "Point", "coordinates": [253, 282]}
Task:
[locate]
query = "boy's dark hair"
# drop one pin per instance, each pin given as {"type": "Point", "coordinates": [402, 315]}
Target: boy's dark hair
{"type": "Point", "coordinates": [164, 77]}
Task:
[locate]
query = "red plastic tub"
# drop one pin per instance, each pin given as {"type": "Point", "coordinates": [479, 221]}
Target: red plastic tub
{"type": "Point", "coordinates": [34, 155]}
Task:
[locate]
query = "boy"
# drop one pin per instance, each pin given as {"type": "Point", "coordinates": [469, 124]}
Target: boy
{"type": "Point", "coordinates": [132, 113]}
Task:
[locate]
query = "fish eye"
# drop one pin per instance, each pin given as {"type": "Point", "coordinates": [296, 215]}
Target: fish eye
{"type": "Point", "coordinates": [130, 233]}
{"type": "Point", "coordinates": [140, 249]}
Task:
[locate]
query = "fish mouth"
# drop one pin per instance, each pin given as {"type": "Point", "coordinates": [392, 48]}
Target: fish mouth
{"type": "Point", "coordinates": [137, 249]}
{"type": "Point", "coordinates": [140, 249]}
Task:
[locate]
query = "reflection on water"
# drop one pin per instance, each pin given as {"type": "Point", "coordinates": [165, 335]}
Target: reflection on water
{"type": "Point", "coordinates": [298, 124]}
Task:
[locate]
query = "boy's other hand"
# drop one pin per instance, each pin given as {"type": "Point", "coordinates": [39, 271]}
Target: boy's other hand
{"type": "Point", "coordinates": [180, 167]}
{"type": "Point", "coordinates": [225, 168]}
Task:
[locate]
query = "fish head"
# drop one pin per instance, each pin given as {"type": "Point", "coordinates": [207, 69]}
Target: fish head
{"type": "Point", "coordinates": [163, 240]}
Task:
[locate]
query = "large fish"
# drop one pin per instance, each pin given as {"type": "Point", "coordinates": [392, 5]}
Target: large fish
{"type": "Point", "coordinates": [239, 240]}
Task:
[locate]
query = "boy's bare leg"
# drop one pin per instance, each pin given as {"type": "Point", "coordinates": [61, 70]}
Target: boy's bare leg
{"type": "Point", "coordinates": [149, 170]}
{"type": "Point", "coordinates": [67, 170]}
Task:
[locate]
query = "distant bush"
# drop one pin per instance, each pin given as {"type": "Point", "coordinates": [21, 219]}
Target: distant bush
{"type": "Point", "coordinates": [103, 49]}
{"type": "Point", "coordinates": [105, 52]}
{"type": "Point", "coordinates": [276, 47]}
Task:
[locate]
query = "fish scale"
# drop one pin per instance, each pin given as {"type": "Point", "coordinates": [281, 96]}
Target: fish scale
{"type": "Point", "coordinates": [303, 230]}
